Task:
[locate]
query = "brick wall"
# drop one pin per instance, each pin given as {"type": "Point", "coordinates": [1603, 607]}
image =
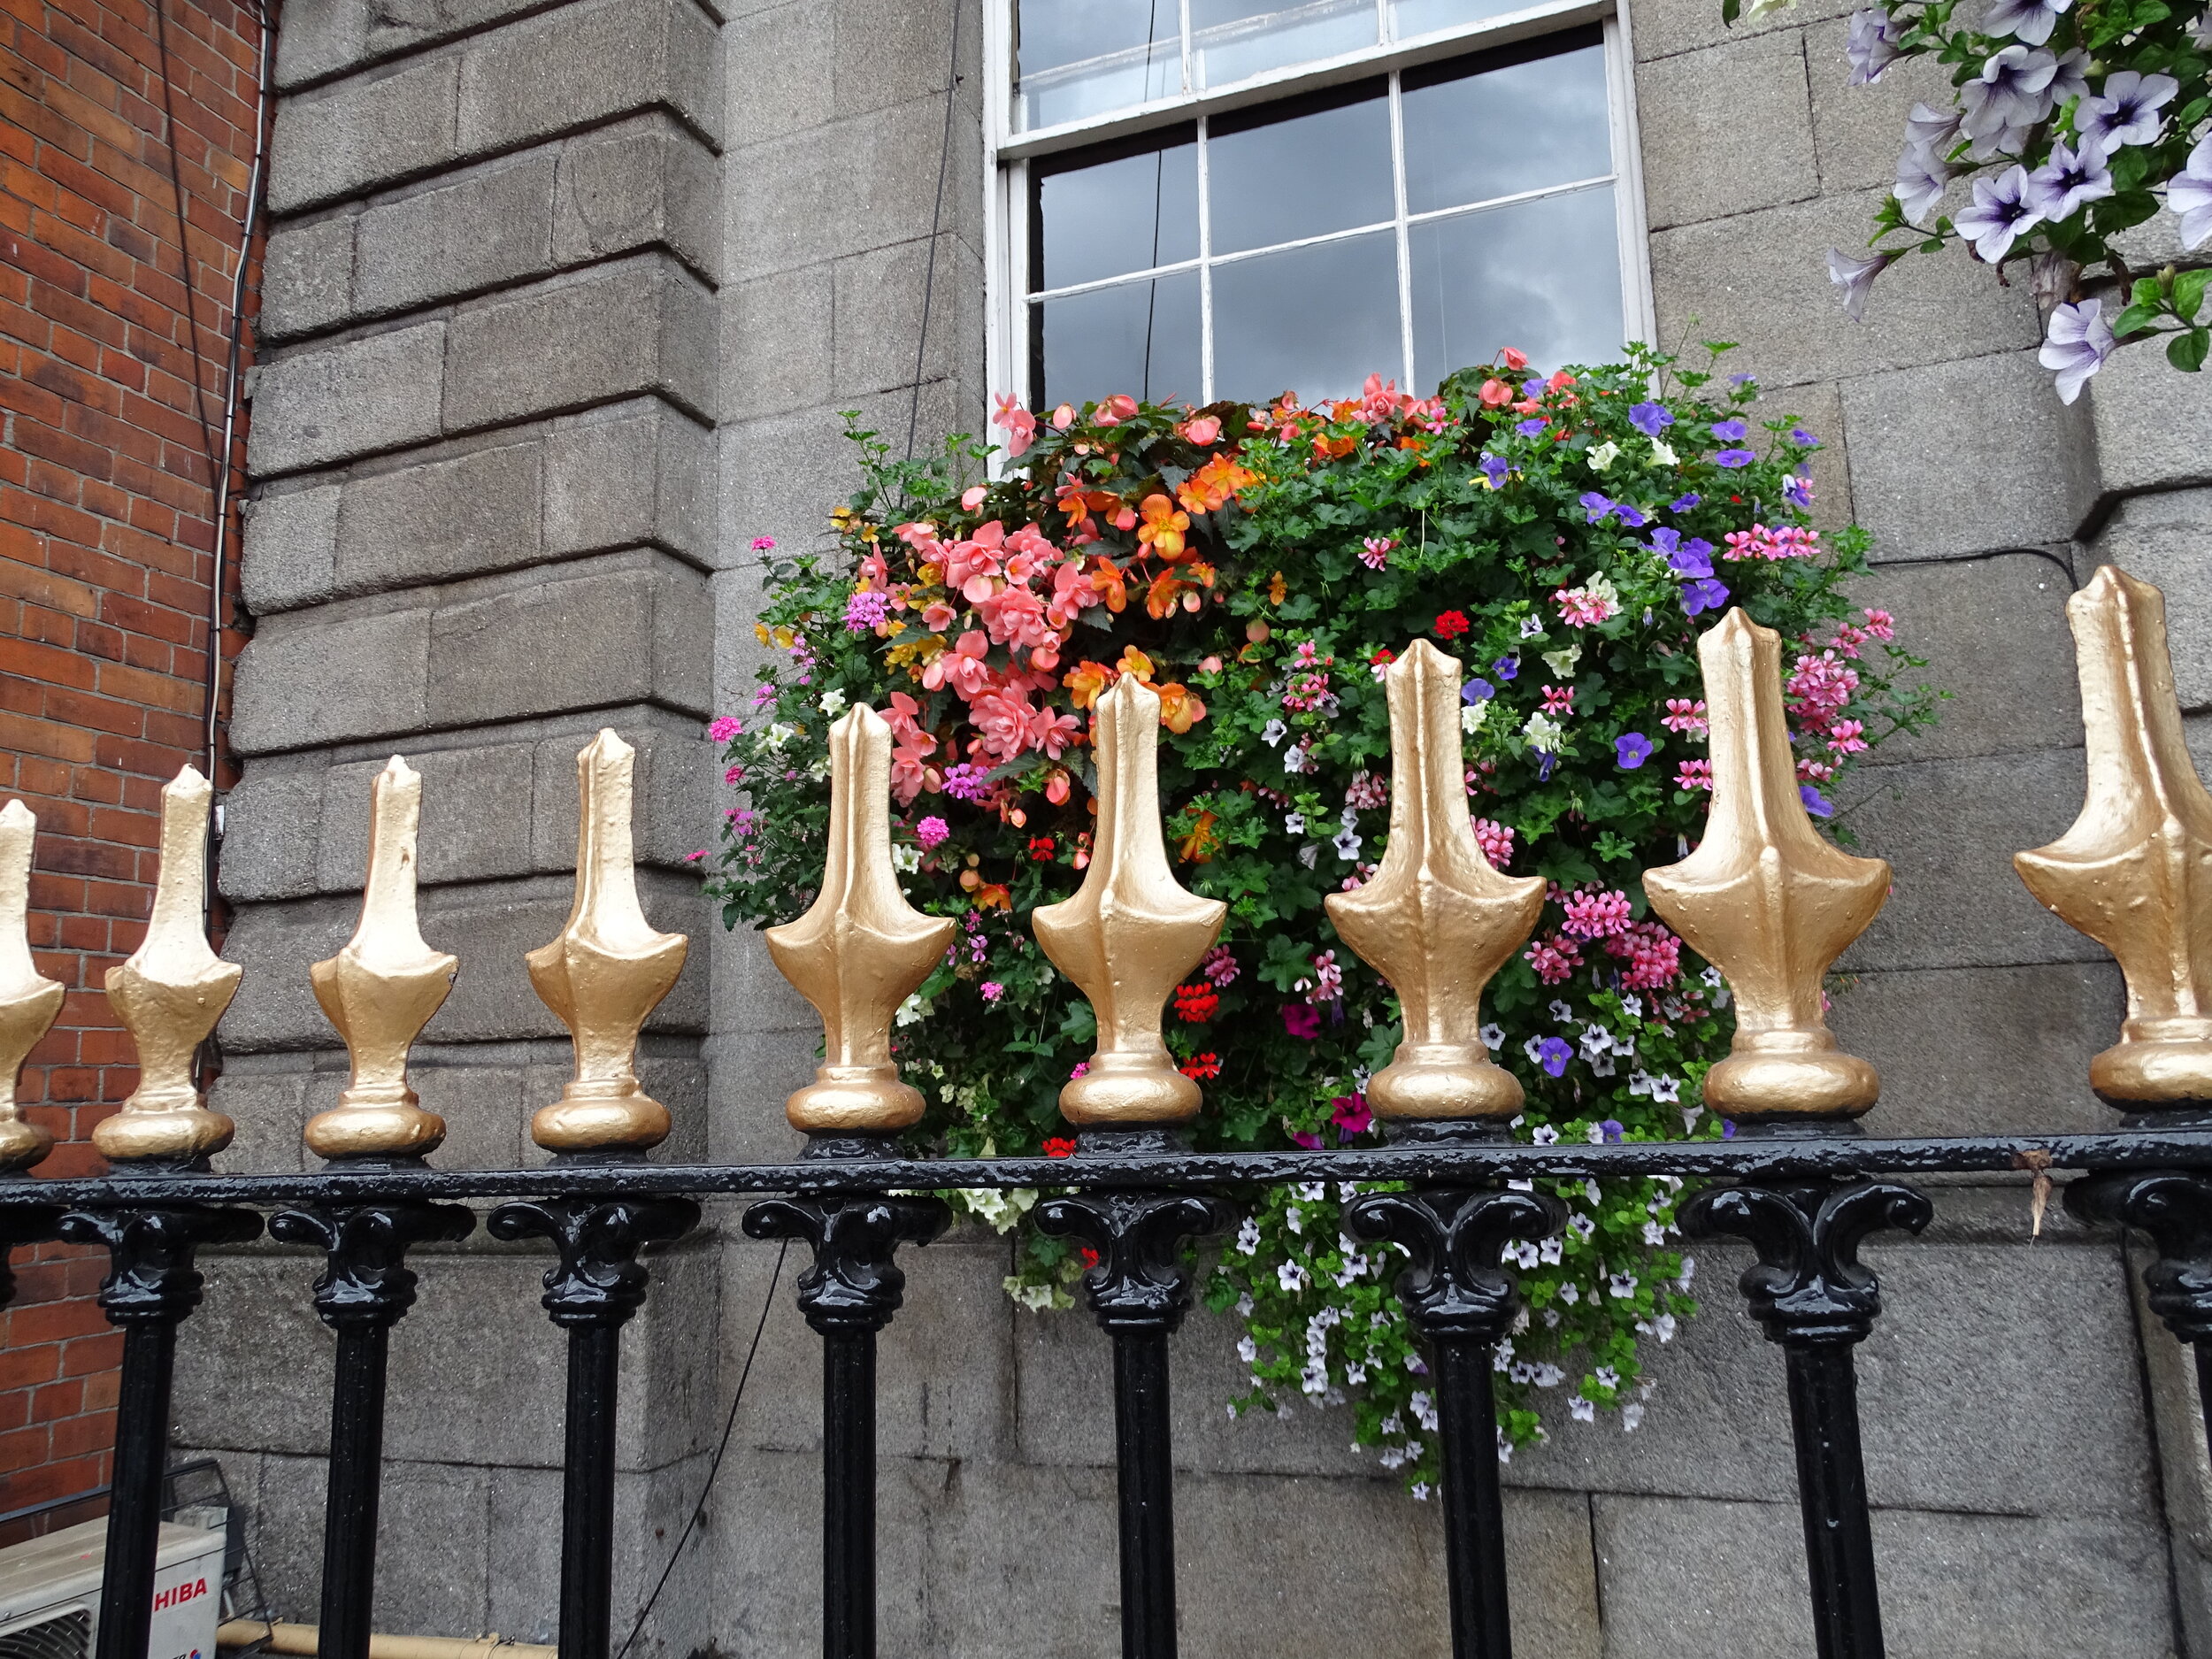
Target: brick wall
{"type": "Point", "coordinates": [113, 333]}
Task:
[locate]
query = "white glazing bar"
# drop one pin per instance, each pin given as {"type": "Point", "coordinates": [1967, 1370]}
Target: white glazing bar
{"type": "Point", "coordinates": [1531, 21]}
{"type": "Point", "coordinates": [1398, 217]}
{"type": "Point", "coordinates": [1641, 322]}
{"type": "Point", "coordinates": [1116, 281]}
{"type": "Point", "coordinates": [1182, 57]}
{"type": "Point", "coordinates": [1205, 265]}
{"type": "Point", "coordinates": [1597, 181]}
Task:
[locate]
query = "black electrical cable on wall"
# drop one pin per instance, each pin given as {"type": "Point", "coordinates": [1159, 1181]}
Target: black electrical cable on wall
{"type": "Point", "coordinates": [936, 219]}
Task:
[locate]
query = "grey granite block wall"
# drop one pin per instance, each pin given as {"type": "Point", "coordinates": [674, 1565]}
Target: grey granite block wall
{"type": "Point", "coordinates": [483, 526]}
{"type": "Point", "coordinates": [564, 304]}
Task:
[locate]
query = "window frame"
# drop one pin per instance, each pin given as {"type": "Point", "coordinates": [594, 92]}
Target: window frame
{"type": "Point", "coordinates": [1008, 153]}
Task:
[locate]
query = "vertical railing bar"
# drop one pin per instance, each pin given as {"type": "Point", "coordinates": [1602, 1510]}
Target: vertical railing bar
{"type": "Point", "coordinates": [1145, 1487]}
{"type": "Point", "coordinates": [848, 1494]}
{"type": "Point", "coordinates": [1474, 1506]}
{"type": "Point", "coordinates": [355, 1492]}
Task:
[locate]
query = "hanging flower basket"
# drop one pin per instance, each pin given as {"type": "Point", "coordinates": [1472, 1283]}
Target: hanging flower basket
{"type": "Point", "coordinates": [1566, 537]}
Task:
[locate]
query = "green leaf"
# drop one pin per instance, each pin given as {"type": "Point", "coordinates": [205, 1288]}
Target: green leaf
{"type": "Point", "coordinates": [2186, 352]}
{"type": "Point", "coordinates": [2189, 293]}
{"type": "Point", "coordinates": [2135, 319]}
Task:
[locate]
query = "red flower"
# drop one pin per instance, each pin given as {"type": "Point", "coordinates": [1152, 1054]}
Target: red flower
{"type": "Point", "coordinates": [1194, 1005]}
{"type": "Point", "coordinates": [1452, 623]}
{"type": "Point", "coordinates": [1200, 1067]}
{"type": "Point", "coordinates": [1087, 1255]}
{"type": "Point", "coordinates": [1040, 850]}
{"type": "Point", "coordinates": [1059, 1146]}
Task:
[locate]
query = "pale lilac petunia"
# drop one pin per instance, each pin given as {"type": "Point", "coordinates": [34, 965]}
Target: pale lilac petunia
{"type": "Point", "coordinates": [2012, 93]}
{"type": "Point", "coordinates": [1931, 130]}
{"type": "Point", "coordinates": [1999, 216]}
{"type": "Point", "coordinates": [2071, 80]}
{"type": "Point", "coordinates": [2069, 180]}
{"type": "Point", "coordinates": [2126, 112]}
{"type": "Point", "coordinates": [2189, 193]}
{"type": "Point", "coordinates": [1855, 278]}
{"type": "Point", "coordinates": [2078, 341]}
{"type": "Point", "coordinates": [1871, 45]}
{"type": "Point", "coordinates": [1922, 179]}
{"type": "Point", "coordinates": [2032, 20]}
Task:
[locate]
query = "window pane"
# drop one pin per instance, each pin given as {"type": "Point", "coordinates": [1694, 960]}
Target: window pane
{"type": "Point", "coordinates": [1520, 128]}
{"type": "Point", "coordinates": [1233, 39]}
{"type": "Point", "coordinates": [1125, 215]}
{"type": "Point", "coordinates": [1410, 18]}
{"type": "Point", "coordinates": [1083, 58]}
{"type": "Point", "coordinates": [1315, 320]}
{"type": "Point", "coordinates": [1141, 337]}
{"type": "Point", "coordinates": [1302, 177]}
{"type": "Point", "coordinates": [1543, 275]}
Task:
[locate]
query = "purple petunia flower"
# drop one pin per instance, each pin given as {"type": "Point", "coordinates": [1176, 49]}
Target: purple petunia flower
{"type": "Point", "coordinates": [2068, 180]}
{"type": "Point", "coordinates": [1629, 515]}
{"type": "Point", "coordinates": [1665, 540]}
{"type": "Point", "coordinates": [1532, 427]}
{"type": "Point", "coordinates": [1651, 419]}
{"type": "Point", "coordinates": [1596, 505]}
{"type": "Point", "coordinates": [1553, 1054]}
{"type": "Point", "coordinates": [1630, 750]}
{"type": "Point", "coordinates": [1544, 766]}
{"type": "Point", "coordinates": [1728, 1129]}
{"type": "Point", "coordinates": [1803, 439]}
{"type": "Point", "coordinates": [1730, 431]}
{"type": "Point", "coordinates": [1494, 468]}
{"type": "Point", "coordinates": [1683, 504]}
{"type": "Point", "coordinates": [2000, 215]}
{"type": "Point", "coordinates": [2077, 345]}
{"type": "Point", "coordinates": [2127, 113]}
{"type": "Point", "coordinates": [1301, 1020]}
{"type": "Point", "coordinates": [1922, 179]}
{"type": "Point", "coordinates": [1855, 278]}
{"type": "Point", "coordinates": [1533, 386]}
{"type": "Point", "coordinates": [1506, 667]}
{"type": "Point", "coordinates": [1870, 44]}
{"type": "Point", "coordinates": [1705, 594]}
{"type": "Point", "coordinates": [1814, 802]}
{"type": "Point", "coordinates": [2010, 96]}
{"type": "Point", "coordinates": [2032, 20]}
{"type": "Point", "coordinates": [1611, 1128]}
{"type": "Point", "coordinates": [1797, 489]}
{"type": "Point", "coordinates": [2189, 193]}
{"type": "Point", "coordinates": [1477, 691]}
{"type": "Point", "coordinates": [1693, 558]}
{"type": "Point", "coordinates": [1734, 457]}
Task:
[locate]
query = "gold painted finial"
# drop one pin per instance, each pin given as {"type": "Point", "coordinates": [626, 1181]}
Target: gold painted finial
{"type": "Point", "coordinates": [381, 990]}
{"type": "Point", "coordinates": [2135, 870]}
{"type": "Point", "coordinates": [1766, 900]}
{"type": "Point", "coordinates": [605, 973]}
{"type": "Point", "coordinates": [861, 949]}
{"type": "Point", "coordinates": [28, 1000]}
{"type": "Point", "coordinates": [1436, 920]}
{"type": "Point", "coordinates": [1131, 932]}
{"type": "Point", "coordinates": [169, 995]}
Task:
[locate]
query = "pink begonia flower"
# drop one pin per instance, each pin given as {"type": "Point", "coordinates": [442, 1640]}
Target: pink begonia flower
{"type": "Point", "coordinates": [726, 727]}
{"type": "Point", "coordinates": [1064, 417]}
{"type": "Point", "coordinates": [1201, 430]}
{"type": "Point", "coordinates": [931, 831]}
{"type": "Point", "coordinates": [1017, 423]}
{"type": "Point", "coordinates": [973, 498]}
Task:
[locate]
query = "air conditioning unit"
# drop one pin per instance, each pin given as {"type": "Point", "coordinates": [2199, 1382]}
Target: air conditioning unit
{"type": "Point", "coordinates": [50, 1594]}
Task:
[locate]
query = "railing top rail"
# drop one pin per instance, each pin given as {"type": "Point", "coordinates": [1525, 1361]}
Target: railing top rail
{"type": "Point", "coordinates": [1744, 1157]}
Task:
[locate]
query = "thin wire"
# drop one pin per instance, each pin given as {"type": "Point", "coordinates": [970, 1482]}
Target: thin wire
{"type": "Point", "coordinates": [184, 246]}
{"type": "Point", "coordinates": [729, 1423]}
{"type": "Point", "coordinates": [936, 218]}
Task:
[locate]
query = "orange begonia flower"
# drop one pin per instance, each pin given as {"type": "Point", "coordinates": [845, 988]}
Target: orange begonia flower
{"type": "Point", "coordinates": [1179, 709]}
{"type": "Point", "coordinates": [1135, 661]}
{"type": "Point", "coordinates": [1276, 588]}
{"type": "Point", "coordinates": [1165, 593]}
{"type": "Point", "coordinates": [1085, 682]}
{"type": "Point", "coordinates": [993, 895]}
{"type": "Point", "coordinates": [1197, 847]}
{"type": "Point", "coordinates": [1106, 577]}
{"type": "Point", "coordinates": [1163, 526]}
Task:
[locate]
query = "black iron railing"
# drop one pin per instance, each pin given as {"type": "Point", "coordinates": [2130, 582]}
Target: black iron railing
{"type": "Point", "coordinates": [1805, 1202]}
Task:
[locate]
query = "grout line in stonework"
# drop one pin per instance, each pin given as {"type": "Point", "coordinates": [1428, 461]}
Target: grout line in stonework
{"type": "Point", "coordinates": [445, 307]}
{"type": "Point", "coordinates": [435, 46]}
